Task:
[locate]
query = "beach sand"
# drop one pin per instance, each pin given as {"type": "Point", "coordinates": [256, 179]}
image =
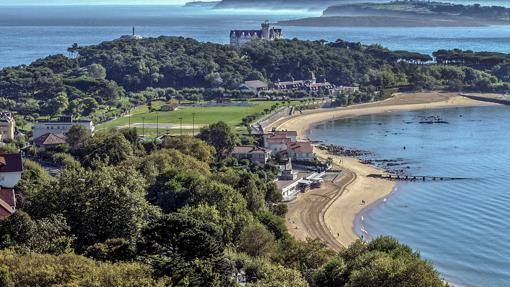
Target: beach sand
{"type": "Point", "coordinates": [339, 216]}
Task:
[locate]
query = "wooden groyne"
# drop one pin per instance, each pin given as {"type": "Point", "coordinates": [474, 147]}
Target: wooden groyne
{"type": "Point", "coordinates": [488, 99]}
{"type": "Point", "coordinates": [414, 177]}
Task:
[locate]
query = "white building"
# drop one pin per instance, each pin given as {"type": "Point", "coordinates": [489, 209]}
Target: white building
{"type": "Point", "coordinates": [300, 151]}
{"type": "Point", "coordinates": [277, 141]}
{"type": "Point", "coordinates": [11, 168]}
{"type": "Point", "coordinates": [241, 37]}
{"type": "Point", "coordinates": [253, 86]}
{"type": "Point", "coordinates": [62, 126]}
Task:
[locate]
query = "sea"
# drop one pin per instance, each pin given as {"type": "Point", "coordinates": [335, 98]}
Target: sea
{"type": "Point", "coordinates": [30, 32]}
{"type": "Point", "coordinates": [461, 226]}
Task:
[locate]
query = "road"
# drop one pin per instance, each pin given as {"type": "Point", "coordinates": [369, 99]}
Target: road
{"type": "Point", "coordinates": [305, 216]}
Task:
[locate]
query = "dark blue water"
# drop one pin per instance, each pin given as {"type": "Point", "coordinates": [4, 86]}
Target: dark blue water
{"type": "Point", "coordinates": [28, 32]}
{"type": "Point", "coordinates": [463, 226]}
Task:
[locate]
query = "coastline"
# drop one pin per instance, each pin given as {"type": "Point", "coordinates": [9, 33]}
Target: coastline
{"type": "Point", "coordinates": [363, 192]}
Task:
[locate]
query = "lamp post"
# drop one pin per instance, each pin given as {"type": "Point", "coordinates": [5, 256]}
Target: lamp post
{"type": "Point", "coordinates": [157, 124]}
{"type": "Point", "coordinates": [193, 125]}
{"type": "Point", "coordinates": [143, 126]}
{"type": "Point", "coordinates": [180, 120]}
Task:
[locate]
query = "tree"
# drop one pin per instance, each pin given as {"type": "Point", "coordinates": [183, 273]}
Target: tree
{"type": "Point", "coordinates": [100, 204]}
{"type": "Point", "coordinates": [34, 180]}
{"type": "Point", "coordinates": [57, 105]}
{"type": "Point", "coordinates": [256, 240]}
{"type": "Point", "coordinates": [108, 148]}
{"type": "Point", "coordinates": [96, 71]}
{"type": "Point", "coordinates": [32, 269]}
{"type": "Point", "coordinates": [48, 235]}
{"type": "Point", "coordinates": [191, 146]}
{"type": "Point", "coordinates": [175, 189]}
{"type": "Point", "coordinates": [153, 165]}
{"type": "Point", "coordinates": [180, 235]}
{"type": "Point", "coordinates": [77, 135]}
{"type": "Point", "coordinates": [5, 277]}
{"type": "Point", "coordinates": [382, 262]}
{"type": "Point", "coordinates": [220, 136]}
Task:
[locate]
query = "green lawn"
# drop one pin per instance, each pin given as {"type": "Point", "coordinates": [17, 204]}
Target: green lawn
{"type": "Point", "coordinates": [203, 115]}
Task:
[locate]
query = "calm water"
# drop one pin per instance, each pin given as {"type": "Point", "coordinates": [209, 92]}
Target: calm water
{"type": "Point", "coordinates": [28, 33]}
{"type": "Point", "coordinates": [463, 227]}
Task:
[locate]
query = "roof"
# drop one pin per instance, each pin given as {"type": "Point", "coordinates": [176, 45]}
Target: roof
{"type": "Point", "coordinates": [249, 150]}
{"type": "Point", "coordinates": [285, 133]}
{"type": "Point", "coordinates": [300, 147]}
{"type": "Point", "coordinates": [278, 140]}
{"type": "Point", "coordinates": [51, 139]}
{"type": "Point", "coordinates": [256, 84]}
{"type": "Point", "coordinates": [11, 162]}
{"type": "Point", "coordinates": [239, 33]}
{"type": "Point", "coordinates": [7, 202]}
{"type": "Point", "coordinates": [66, 120]}
{"type": "Point", "coordinates": [7, 196]}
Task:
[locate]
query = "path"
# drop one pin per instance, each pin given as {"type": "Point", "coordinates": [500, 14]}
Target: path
{"type": "Point", "coordinates": [305, 216]}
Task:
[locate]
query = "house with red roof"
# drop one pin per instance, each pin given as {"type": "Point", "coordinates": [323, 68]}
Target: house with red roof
{"type": "Point", "coordinates": [253, 153]}
{"type": "Point", "coordinates": [300, 151]}
{"type": "Point", "coordinates": [11, 168]}
{"type": "Point", "coordinates": [50, 140]}
{"type": "Point", "coordinates": [7, 202]}
{"type": "Point", "coordinates": [277, 140]}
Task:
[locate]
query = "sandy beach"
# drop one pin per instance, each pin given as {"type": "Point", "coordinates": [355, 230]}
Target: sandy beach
{"type": "Point", "coordinates": [338, 216]}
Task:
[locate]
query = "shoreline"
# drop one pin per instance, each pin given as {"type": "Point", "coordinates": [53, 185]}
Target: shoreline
{"type": "Point", "coordinates": [341, 216]}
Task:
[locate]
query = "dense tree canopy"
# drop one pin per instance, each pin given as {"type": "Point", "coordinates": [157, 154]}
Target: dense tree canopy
{"type": "Point", "coordinates": [109, 78]}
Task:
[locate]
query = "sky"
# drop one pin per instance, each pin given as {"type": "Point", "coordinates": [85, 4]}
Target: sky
{"type": "Point", "coordinates": [90, 2]}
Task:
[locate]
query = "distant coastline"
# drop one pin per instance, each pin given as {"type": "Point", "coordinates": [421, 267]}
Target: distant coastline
{"type": "Point", "coordinates": [387, 21]}
{"type": "Point", "coordinates": [406, 14]}
{"type": "Point", "coordinates": [201, 4]}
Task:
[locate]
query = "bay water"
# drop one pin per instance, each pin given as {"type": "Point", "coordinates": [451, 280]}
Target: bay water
{"type": "Point", "coordinates": [462, 226]}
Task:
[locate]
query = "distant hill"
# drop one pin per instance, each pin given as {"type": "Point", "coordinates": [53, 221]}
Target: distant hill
{"type": "Point", "coordinates": [283, 4]}
{"type": "Point", "coordinates": [407, 14]}
{"type": "Point", "coordinates": [205, 4]}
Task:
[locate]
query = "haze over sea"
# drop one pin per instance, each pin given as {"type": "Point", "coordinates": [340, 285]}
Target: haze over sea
{"type": "Point", "coordinates": [30, 32]}
{"type": "Point", "coordinates": [461, 226]}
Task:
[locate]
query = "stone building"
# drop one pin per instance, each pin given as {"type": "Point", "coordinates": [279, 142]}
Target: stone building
{"type": "Point", "coordinates": [268, 33]}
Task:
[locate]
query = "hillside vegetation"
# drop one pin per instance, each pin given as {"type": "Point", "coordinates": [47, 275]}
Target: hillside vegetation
{"type": "Point", "coordinates": [175, 213]}
{"type": "Point", "coordinates": [105, 80]}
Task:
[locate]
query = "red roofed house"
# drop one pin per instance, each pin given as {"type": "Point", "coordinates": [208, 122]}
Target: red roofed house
{"type": "Point", "coordinates": [300, 151]}
{"type": "Point", "coordinates": [7, 202]}
{"type": "Point", "coordinates": [49, 140]}
{"type": "Point", "coordinates": [254, 154]}
{"type": "Point", "coordinates": [11, 168]}
{"type": "Point", "coordinates": [277, 141]}
{"type": "Point", "coordinates": [292, 135]}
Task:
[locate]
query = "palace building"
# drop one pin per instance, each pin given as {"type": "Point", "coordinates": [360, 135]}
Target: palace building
{"type": "Point", "coordinates": [268, 33]}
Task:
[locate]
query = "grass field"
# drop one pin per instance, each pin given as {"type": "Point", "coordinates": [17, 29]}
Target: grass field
{"type": "Point", "coordinates": [203, 115]}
